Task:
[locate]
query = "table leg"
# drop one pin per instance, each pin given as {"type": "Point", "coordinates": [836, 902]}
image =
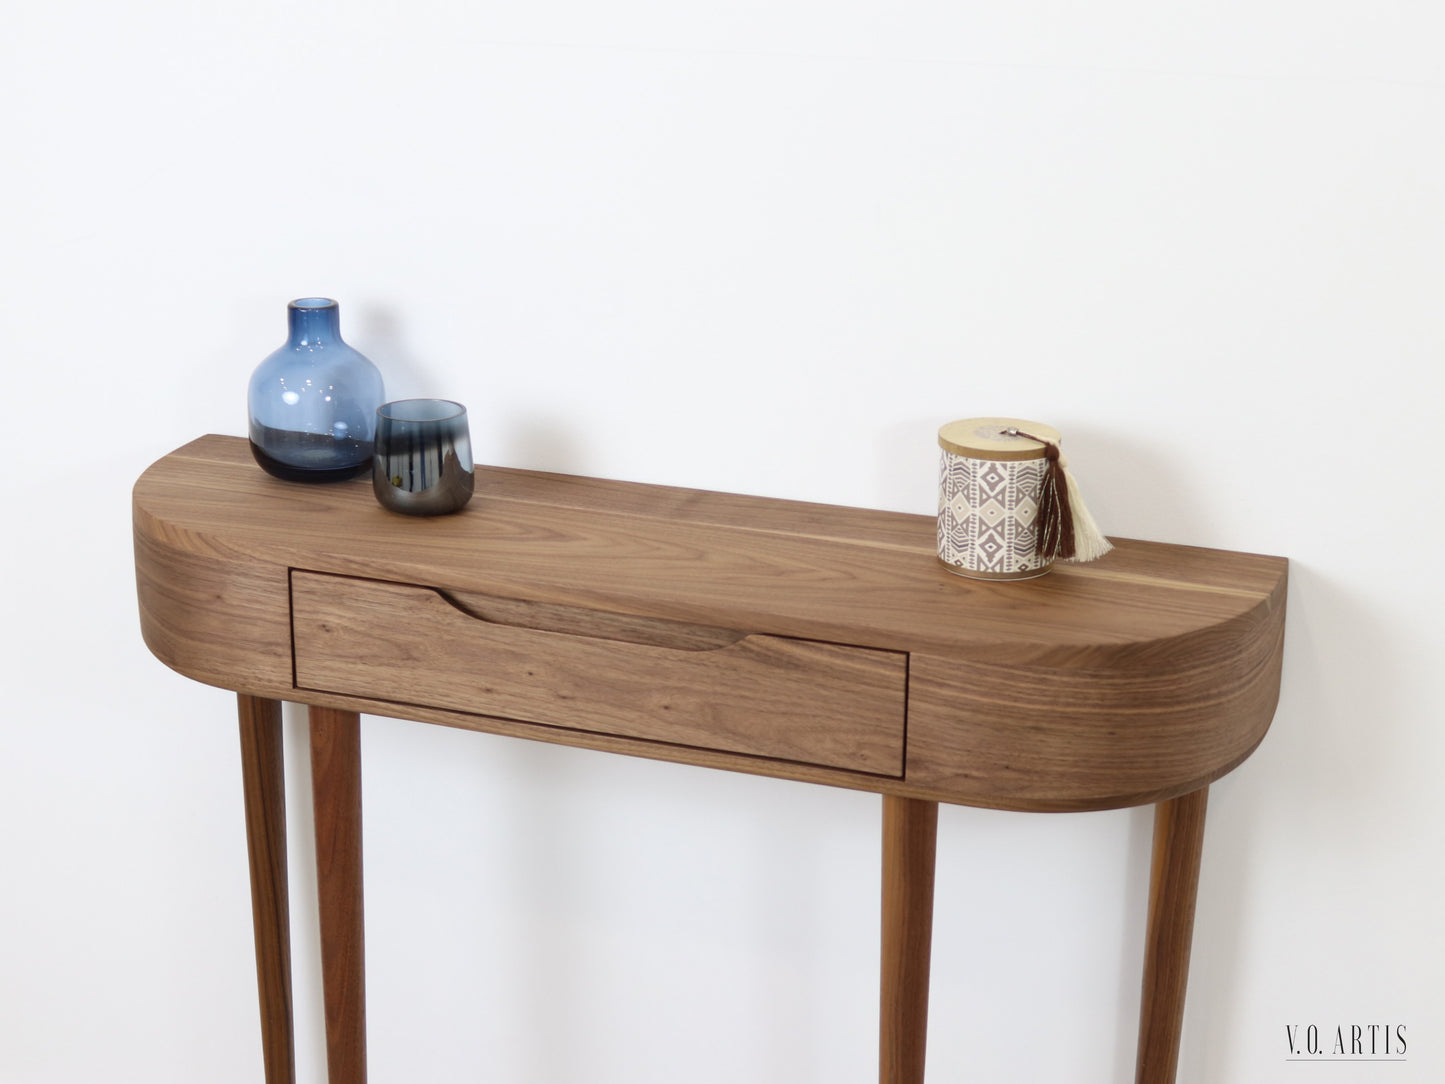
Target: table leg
{"type": "Point", "coordinates": [1173, 884]}
{"type": "Point", "coordinates": [336, 799]}
{"type": "Point", "coordinates": [264, 783]}
{"type": "Point", "coordinates": [910, 834]}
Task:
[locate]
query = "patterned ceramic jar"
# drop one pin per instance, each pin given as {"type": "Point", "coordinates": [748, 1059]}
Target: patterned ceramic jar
{"type": "Point", "coordinates": [988, 498]}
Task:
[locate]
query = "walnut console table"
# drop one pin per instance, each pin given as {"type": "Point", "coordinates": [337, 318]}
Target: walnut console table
{"type": "Point", "coordinates": [794, 640]}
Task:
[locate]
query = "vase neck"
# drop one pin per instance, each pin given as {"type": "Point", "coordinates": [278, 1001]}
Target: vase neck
{"type": "Point", "coordinates": [313, 321]}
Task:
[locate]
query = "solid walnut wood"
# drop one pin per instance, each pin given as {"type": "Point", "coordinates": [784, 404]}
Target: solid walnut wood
{"type": "Point", "coordinates": [576, 621]}
{"type": "Point", "coordinates": [910, 835]}
{"type": "Point", "coordinates": [1052, 737]}
{"type": "Point", "coordinates": [1141, 677]}
{"type": "Point", "coordinates": [610, 743]}
{"type": "Point", "coordinates": [218, 618]}
{"type": "Point", "coordinates": [815, 581]}
{"type": "Point", "coordinates": [761, 695]}
{"type": "Point", "coordinates": [1173, 887]}
{"type": "Point", "coordinates": [263, 779]}
{"type": "Point", "coordinates": [336, 793]}
{"type": "Point", "coordinates": [1118, 638]}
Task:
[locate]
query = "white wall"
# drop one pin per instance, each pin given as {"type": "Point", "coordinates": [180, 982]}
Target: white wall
{"type": "Point", "coordinates": [1204, 240]}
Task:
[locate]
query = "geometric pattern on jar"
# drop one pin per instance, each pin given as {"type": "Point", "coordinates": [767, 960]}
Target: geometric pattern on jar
{"type": "Point", "coordinates": [987, 512]}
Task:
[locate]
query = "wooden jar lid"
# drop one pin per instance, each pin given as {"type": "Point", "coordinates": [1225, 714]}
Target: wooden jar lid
{"type": "Point", "coordinates": [986, 438]}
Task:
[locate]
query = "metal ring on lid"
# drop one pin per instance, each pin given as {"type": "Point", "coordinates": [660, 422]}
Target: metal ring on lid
{"type": "Point", "coordinates": [998, 439]}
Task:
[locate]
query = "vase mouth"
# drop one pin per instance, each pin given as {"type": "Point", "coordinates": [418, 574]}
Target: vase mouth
{"type": "Point", "coordinates": [312, 303]}
{"type": "Point", "coordinates": [421, 410]}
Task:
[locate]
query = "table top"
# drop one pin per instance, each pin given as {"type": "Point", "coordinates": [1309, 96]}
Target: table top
{"type": "Point", "coordinates": [1147, 620]}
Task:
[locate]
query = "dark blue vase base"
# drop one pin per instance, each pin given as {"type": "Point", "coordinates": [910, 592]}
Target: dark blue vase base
{"type": "Point", "coordinates": [331, 460]}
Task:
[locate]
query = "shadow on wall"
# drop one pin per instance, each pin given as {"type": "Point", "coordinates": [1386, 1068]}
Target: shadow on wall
{"type": "Point", "coordinates": [1341, 732]}
{"type": "Point", "coordinates": [1132, 488]}
{"type": "Point", "coordinates": [384, 331]}
{"type": "Point", "coordinates": [1314, 776]}
{"type": "Point", "coordinates": [546, 444]}
{"type": "Point", "coordinates": [1128, 485]}
{"type": "Point", "coordinates": [711, 870]}
{"type": "Point", "coordinates": [905, 474]}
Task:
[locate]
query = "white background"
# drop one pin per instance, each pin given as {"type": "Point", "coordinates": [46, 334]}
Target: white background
{"type": "Point", "coordinates": [759, 247]}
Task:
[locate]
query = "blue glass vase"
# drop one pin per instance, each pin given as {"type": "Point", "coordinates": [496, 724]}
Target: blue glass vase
{"type": "Point", "coordinates": [313, 402]}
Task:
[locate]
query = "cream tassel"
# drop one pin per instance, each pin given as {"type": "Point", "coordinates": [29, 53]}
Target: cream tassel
{"type": "Point", "coordinates": [1065, 530]}
{"type": "Point", "coordinates": [1089, 542]}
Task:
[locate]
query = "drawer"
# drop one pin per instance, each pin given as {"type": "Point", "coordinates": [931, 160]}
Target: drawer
{"type": "Point", "coordinates": [831, 705]}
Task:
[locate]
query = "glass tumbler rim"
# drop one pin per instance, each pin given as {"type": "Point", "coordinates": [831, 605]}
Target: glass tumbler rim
{"type": "Point", "coordinates": [386, 410]}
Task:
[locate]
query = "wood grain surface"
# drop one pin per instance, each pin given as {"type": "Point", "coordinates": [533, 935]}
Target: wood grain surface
{"type": "Point", "coordinates": [263, 780]}
{"type": "Point", "coordinates": [336, 802]}
{"type": "Point", "coordinates": [796, 640]}
{"type": "Point", "coordinates": [786, 568]}
{"type": "Point", "coordinates": [910, 844]}
{"type": "Point", "coordinates": [216, 617]}
{"type": "Point", "coordinates": [1134, 678]}
{"type": "Point", "coordinates": [1053, 737]}
{"type": "Point", "coordinates": [1173, 888]}
{"type": "Point", "coordinates": [763, 695]}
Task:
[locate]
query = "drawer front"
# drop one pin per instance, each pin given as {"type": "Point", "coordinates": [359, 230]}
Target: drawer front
{"type": "Point", "coordinates": [797, 700]}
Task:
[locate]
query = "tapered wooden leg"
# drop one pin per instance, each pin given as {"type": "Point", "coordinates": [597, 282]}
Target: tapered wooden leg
{"type": "Point", "coordinates": [910, 835]}
{"type": "Point", "coordinates": [1173, 885]}
{"type": "Point", "coordinates": [336, 798]}
{"type": "Point", "coordinates": [264, 782]}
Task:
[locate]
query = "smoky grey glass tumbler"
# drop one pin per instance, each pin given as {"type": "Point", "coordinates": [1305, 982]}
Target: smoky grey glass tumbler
{"type": "Point", "coordinates": [422, 461]}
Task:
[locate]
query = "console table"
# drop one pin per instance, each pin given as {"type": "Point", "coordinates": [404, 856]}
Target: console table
{"type": "Point", "coordinates": [794, 640]}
